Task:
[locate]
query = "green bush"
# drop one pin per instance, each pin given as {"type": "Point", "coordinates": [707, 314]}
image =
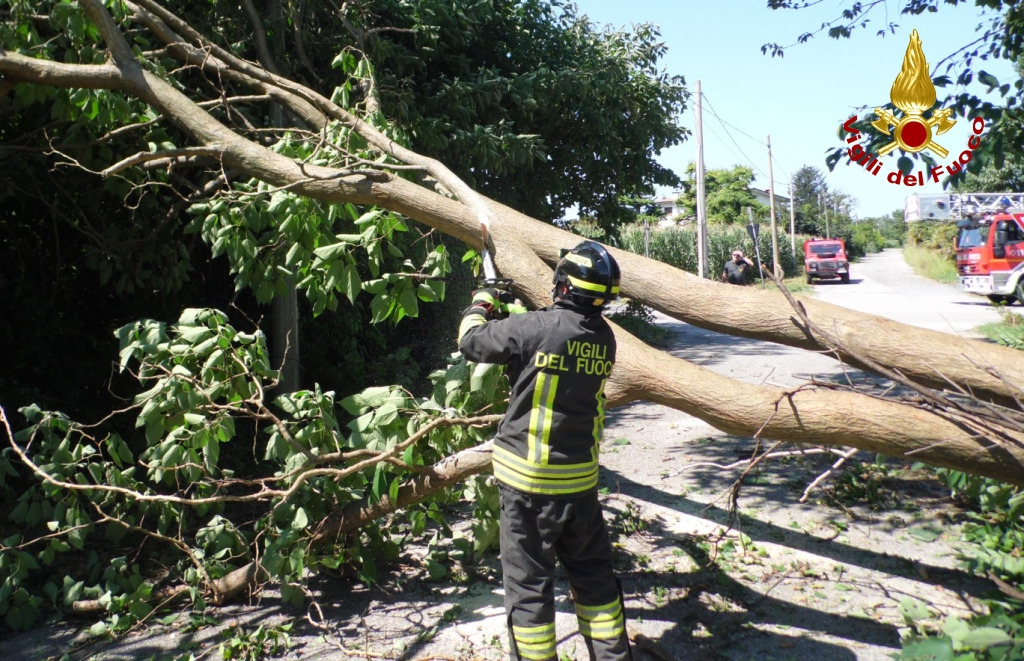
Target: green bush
{"type": "Point", "coordinates": [677, 246]}
{"type": "Point", "coordinates": [934, 236]}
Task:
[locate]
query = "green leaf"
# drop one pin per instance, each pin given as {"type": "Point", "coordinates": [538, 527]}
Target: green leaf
{"type": "Point", "coordinates": [211, 454]}
{"type": "Point", "coordinates": [912, 609]}
{"type": "Point", "coordinates": [350, 282]}
{"type": "Point", "coordinates": [928, 649]}
{"type": "Point", "coordinates": [368, 398]}
{"type": "Point", "coordinates": [333, 251]}
{"type": "Point", "coordinates": [387, 413]}
{"type": "Point", "coordinates": [985, 78]}
{"type": "Point", "coordinates": [380, 306]}
{"type": "Point", "coordinates": [380, 482]}
{"type": "Point", "coordinates": [278, 201]}
{"type": "Point", "coordinates": [986, 637]}
{"type": "Point", "coordinates": [431, 291]}
{"type": "Point", "coordinates": [485, 378]}
{"type": "Point", "coordinates": [925, 534]}
{"type": "Point", "coordinates": [436, 569]}
{"type": "Point", "coordinates": [408, 300]}
{"type": "Point", "coordinates": [300, 520]}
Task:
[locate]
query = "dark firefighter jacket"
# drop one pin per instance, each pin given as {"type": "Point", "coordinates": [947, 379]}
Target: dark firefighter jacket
{"type": "Point", "coordinates": [559, 359]}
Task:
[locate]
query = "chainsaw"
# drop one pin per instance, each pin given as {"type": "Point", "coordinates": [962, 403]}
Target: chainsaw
{"type": "Point", "coordinates": [491, 279]}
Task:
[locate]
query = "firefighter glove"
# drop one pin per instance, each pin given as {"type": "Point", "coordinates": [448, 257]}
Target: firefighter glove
{"type": "Point", "coordinates": [515, 307]}
{"type": "Point", "coordinates": [486, 305]}
{"type": "Point", "coordinates": [494, 301]}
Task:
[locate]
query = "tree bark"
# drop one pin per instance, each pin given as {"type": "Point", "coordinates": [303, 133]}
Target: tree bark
{"type": "Point", "coordinates": [526, 248]}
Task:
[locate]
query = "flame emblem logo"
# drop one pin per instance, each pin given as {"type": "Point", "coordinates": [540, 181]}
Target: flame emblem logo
{"type": "Point", "coordinates": [913, 92]}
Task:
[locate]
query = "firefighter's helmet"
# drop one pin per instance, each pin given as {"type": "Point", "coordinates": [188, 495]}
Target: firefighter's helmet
{"type": "Point", "coordinates": [589, 272]}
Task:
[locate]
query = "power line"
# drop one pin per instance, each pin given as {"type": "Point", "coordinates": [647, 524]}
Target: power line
{"type": "Point", "coordinates": [725, 126]}
{"type": "Point", "coordinates": [758, 141]}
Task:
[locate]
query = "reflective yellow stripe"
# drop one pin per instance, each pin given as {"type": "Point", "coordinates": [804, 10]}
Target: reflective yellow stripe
{"type": "Point", "coordinates": [590, 286]}
{"type": "Point", "coordinates": [527, 467]}
{"type": "Point", "coordinates": [551, 479]}
{"type": "Point", "coordinates": [549, 384]}
{"type": "Point", "coordinates": [599, 420]}
{"type": "Point", "coordinates": [602, 622]}
{"type": "Point", "coordinates": [540, 417]}
{"type": "Point", "coordinates": [535, 642]}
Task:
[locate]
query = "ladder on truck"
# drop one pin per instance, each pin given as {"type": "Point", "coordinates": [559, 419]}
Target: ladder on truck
{"type": "Point", "coordinates": [956, 206]}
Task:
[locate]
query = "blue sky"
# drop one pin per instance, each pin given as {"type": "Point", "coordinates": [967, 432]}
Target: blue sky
{"type": "Point", "coordinates": [801, 99]}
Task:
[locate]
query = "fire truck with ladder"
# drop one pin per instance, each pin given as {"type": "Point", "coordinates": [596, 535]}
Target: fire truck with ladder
{"type": "Point", "coordinates": [989, 242]}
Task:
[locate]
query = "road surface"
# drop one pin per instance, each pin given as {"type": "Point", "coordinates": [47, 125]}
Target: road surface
{"type": "Point", "coordinates": [884, 284]}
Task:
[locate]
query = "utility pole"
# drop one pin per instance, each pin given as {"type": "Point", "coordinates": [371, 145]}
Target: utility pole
{"type": "Point", "coordinates": [828, 229]}
{"type": "Point", "coordinates": [776, 268]}
{"type": "Point", "coordinates": [754, 232]}
{"type": "Point", "coordinates": [823, 210]}
{"type": "Point", "coordinates": [792, 217]}
{"type": "Point", "coordinates": [702, 221]}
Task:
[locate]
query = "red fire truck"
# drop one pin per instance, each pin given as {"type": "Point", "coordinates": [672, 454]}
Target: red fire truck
{"type": "Point", "coordinates": [989, 243]}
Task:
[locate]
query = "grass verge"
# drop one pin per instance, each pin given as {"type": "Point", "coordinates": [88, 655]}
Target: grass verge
{"type": "Point", "coordinates": [1009, 331]}
{"type": "Point", "coordinates": [930, 264]}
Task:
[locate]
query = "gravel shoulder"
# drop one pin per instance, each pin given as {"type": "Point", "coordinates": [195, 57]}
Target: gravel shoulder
{"type": "Point", "coordinates": [814, 580]}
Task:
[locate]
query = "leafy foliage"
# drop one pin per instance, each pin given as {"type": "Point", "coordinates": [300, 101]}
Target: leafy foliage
{"type": "Point", "coordinates": [727, 196]}
{"type": "Point", "coordinates": [183, 482]}
{"type": "Point", "coordinates": [938, 237]}
{"type": "Point", "coordinates": [492, 88]}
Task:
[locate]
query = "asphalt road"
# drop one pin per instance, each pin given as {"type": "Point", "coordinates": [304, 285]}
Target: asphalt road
{"type": "Point", "coordinates": [884, 284]}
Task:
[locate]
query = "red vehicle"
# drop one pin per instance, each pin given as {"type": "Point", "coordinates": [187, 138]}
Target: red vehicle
{"type": "Point", "coordinates": [990, 255]}
{"type": "Point", "coordinates": [826, 259]}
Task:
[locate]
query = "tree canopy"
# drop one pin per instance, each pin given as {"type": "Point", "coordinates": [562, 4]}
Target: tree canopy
{"type": "Point", "coordinates": [531, 103]}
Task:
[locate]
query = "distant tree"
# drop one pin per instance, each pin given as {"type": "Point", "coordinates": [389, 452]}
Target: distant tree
{"type": "Point", "coordinates": [892, 227]}
{"type": "Point", "coordinates": [809, 191]}
{"type": "Point", "coordinates": [727, 194]}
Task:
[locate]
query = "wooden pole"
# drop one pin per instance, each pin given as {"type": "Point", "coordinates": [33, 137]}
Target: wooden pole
{"type": "Point", "coordinates": [776, 263]}
{"type": "Point", "coordinates": [702, 221]}
{"type": "Point", "coordinates": [792, 217]}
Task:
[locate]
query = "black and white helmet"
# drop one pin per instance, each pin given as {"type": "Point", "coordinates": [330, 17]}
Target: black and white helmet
{"type": "Point", "coordinates": [589, 272]}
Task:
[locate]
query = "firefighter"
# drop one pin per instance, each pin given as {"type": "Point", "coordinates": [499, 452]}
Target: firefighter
{"type": "Point", "coordinates": [545, 452]}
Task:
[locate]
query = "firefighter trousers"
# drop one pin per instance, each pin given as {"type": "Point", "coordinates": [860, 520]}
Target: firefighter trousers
{"type": "Point", "coordinates": [535, 531]}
